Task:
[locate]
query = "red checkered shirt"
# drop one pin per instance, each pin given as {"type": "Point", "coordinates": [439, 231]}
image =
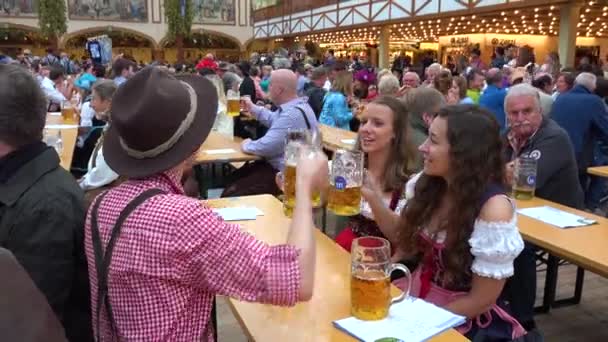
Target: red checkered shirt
{"type": "Point", "coordinates": [173, 255]}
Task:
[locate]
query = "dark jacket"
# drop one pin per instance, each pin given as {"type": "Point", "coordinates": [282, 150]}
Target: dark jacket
{"type": "Point", "coordinates": [315, 97]}
{"type": "Point", "coordinates": [248, 88]}
{"type": "Point", "coordinates": [583, 115]}
{"type": "Point", "coordinates": [557, 173]}
{"type": "Point", "coordinates": [42, 224]}
{"type": "Point", "coordinates": [25, 316]}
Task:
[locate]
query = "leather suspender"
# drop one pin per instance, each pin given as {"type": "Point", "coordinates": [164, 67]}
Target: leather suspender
{"type": "Point", "coordinates": [103, 260]}
{"type": "Point", "coordinates": [305, 117]}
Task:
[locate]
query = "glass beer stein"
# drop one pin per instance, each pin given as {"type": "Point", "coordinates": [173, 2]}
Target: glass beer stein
{"type": "Point", "coordinates": [68, 113]}
{"type": "Point", "coordinates": [234, 103]}
{"type": "Point", "coordinates": [344, 198]}
{"type": "Point", "coordinates": [295, 139]}
{"type": "Point", "coordinates": [524, 177]}
{"type": "Point", "coordinates": [370, 281]}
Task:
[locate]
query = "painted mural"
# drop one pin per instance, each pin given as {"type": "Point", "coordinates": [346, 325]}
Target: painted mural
{"type": "Point", "coordinates": [18, 8]}
{"type": "Point", "coordinates": [116, 10]}
{"type": "Point", "coordinates": [216, 12]}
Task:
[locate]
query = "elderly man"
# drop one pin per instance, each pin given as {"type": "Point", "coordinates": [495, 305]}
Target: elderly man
{"type": "Point", "coordinates": [583, 115]}
{"type": "Point", "coordinates": [533, 135]}
{"type": "Point", "coordinates": [493, 98]}
{"type": "Point", "coordinates": [41, 206]}
{"type": "Point", "coordinates": [292, 113]}
{"type": "Point", "coordinates": [411, 80]}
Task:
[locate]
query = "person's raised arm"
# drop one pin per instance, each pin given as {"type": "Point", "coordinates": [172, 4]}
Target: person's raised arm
{"type": "Point", "coordinates": [311, 174]}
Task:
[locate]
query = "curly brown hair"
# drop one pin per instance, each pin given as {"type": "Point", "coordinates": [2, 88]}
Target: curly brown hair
{"type": "Point", "coordinates": [476, 161]}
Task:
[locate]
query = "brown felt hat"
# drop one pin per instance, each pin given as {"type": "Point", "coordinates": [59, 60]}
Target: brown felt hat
{"type": "Point", "coordinates": [158, 121]}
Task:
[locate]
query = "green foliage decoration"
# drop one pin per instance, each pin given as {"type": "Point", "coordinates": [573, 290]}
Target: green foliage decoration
{"type": "Point", "coordinates": [179, 25]}
{"type": "Point", "coordinates": [52, 18]}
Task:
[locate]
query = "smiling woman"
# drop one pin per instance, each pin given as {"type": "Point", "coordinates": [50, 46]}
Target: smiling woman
{"type": "Point", "coordinates": [389, 154]}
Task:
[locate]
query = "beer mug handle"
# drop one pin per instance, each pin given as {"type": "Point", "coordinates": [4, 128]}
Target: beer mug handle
{"type": "Point", "coordinates": [408, 275]}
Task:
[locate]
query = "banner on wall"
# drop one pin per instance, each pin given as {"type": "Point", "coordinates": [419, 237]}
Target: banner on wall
{"type": "Point", "coordinates": [100, 49]}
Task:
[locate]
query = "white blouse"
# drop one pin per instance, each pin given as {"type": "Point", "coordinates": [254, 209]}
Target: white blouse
{"type": "Point", "coordinates": [494, 244]}
{"type": "Point", "coordinates": [98, 176]}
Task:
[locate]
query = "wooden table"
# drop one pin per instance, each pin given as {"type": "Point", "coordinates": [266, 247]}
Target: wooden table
{"type": "Point", "coordinates": [601, 171]}
{"type": "Point", "coordinates": [582, 246]}
{"type": "Point", "coordinates": [68, 138]}
{"type": "Point", "coordinates": [333, 138]}
{"type": "Point", "coordinates": [310, 321]}
{"type": "Point", "coordinates": [217, 141]}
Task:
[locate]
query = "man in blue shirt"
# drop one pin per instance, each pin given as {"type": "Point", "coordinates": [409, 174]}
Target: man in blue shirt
{"type": "Point", "coordinates": [584, 117]}
{"type": "Point", "coordinates": [292, 113]}
{"type": "Point", "coordinates": [123, 70]}
{"type": "Point", "coordinates": [493, 98]}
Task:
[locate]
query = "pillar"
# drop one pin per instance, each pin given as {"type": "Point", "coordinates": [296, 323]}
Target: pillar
{"type": "Point", "coordinates": [384, 48]}
{"type": "Point", "coordinates": [568, 21]}
{"type": "Point", "coordinates": [271, 45]}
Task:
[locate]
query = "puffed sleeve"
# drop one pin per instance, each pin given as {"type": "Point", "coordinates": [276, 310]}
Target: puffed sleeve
{"type": "Point", "coordinates": [494, 246]}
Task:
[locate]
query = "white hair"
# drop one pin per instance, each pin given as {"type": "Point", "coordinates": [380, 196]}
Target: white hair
{"type": "Point", "coordinates": [435, 67]}
{"type": "Point", "coordinates": [587, 80]}
{"type": "Point", "coordinates": [388, 85]}
{"type": "Point", "coordinates": [523, 89]}
{"type": "Point", "coordinates": [415, 76]}
{"type": "Point", "coordinates": [280, 62]}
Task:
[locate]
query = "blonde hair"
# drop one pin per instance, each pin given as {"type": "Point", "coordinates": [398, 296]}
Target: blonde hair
{"type": "Point", "coordinates": [343, 83]}
{"type": "Point", "coordinates": [383, 72]}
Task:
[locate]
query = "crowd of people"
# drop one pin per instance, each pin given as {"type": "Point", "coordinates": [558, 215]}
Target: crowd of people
{"type": "Point", "coordinates": [124, 249]}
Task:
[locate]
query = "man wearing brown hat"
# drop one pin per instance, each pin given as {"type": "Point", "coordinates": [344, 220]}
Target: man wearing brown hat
{"type": "Point", "coordinates": [156, 257]}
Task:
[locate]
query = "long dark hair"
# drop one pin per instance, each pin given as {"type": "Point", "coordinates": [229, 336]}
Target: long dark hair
{"type": "Point", "coordinates": [475, 159]}
{"type": "Point", "coordinates": [402, 154]}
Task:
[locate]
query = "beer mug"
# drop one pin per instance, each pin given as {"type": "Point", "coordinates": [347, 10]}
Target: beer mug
{"type": "Point", "coordinates": [344, 198]}
{"type": "Point", "coordinates": [296, 138]}
{"type": "Point", "coordinates": [524, 177]}
{"type": "Point", "coordinates": [243, 101]}
{"type": "Point", "coordinates": [68, 113]}
{"type": "Point", "coordinates": [370, 281]}
{"type": "Point", "coordinates": [52, 138]}
{"type": "Point", "coordinates": [234, 103]}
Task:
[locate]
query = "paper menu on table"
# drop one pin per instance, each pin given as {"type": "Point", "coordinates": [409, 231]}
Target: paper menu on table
{"type": "Point", "coordinates": [220, 151]}
{"type": "Point", "coordinates": [556, 217]}
{"type": "Point", "coordinates": [412, 320]}
{"type": "Point", "coordinates": [239, 213]}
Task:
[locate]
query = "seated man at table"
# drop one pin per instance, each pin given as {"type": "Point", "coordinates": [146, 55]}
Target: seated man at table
{"type": "Point", "coordinates": [173, 253]}
{"type": "Point", "coordinates": [293, 113]}
{"type": "Point", "coordinates": [556, 180]}
{"type": "Point", "coordinates": [41, 206]}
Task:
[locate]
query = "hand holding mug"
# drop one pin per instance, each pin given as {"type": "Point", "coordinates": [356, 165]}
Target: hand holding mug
{"type": "Point", "coordinates": [312, 170]}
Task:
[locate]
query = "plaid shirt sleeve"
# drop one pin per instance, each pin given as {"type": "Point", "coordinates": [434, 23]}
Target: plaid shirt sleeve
{"type": "Point", "coordinates": [220, 258]}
